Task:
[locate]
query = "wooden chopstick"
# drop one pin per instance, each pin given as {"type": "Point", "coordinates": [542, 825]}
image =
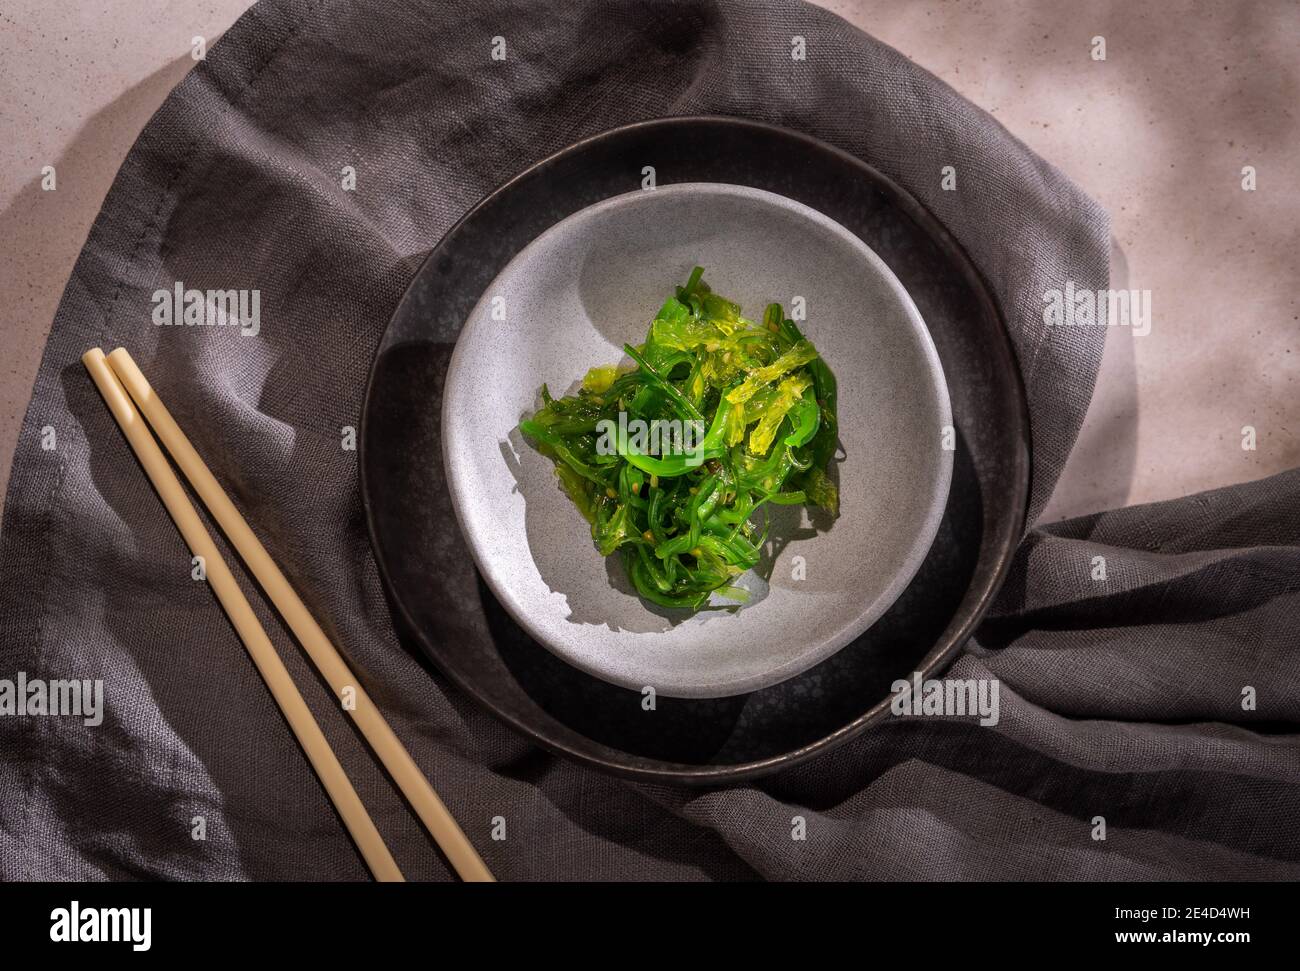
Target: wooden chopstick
{"type": "Point", "coordinates": [272, 669]}
{"type": "Point", "coordinates": [386, 745]}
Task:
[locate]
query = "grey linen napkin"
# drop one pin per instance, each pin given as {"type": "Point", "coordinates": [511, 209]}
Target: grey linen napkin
{"type": "Point", "coordinates": [1120, 700]}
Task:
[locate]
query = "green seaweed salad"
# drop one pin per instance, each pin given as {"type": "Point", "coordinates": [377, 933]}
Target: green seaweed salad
{"type": "Point", "coordinates": [669, 458]}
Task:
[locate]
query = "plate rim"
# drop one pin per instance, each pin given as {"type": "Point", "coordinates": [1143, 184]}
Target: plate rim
{"type": "Point", "coordinates": [658, 770]}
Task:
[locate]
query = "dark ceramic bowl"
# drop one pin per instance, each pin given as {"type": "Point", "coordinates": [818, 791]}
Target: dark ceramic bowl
{"type": "Point", "coordinates": [443, 607]}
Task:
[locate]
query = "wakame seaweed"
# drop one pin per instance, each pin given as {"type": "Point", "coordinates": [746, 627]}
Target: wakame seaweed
{"type": "Point", "coordinates": [670, 458]}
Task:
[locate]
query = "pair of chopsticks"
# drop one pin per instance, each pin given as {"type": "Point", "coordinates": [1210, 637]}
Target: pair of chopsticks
{"type": "Point", "coordinates": [128, 396]}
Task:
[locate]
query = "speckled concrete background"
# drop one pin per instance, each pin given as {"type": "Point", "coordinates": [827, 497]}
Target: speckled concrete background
{"type": "Point", "coordinates": [1158, 133]}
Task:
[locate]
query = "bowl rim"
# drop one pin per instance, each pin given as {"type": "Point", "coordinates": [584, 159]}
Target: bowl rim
{"type": "Point", "coordinates": [937, 483]}
{"type": "Point", "coordinates": [999, 548]}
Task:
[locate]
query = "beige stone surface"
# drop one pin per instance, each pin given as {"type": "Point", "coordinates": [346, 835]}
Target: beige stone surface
{"type": "Point", "coordinates": [1158, 133]}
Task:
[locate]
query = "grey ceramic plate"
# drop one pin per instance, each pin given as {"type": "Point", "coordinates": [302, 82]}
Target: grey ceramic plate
{"type": "Point", "coordinates": [446, 614]}
{"type": "Point", "coordinates": [569, 301]}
